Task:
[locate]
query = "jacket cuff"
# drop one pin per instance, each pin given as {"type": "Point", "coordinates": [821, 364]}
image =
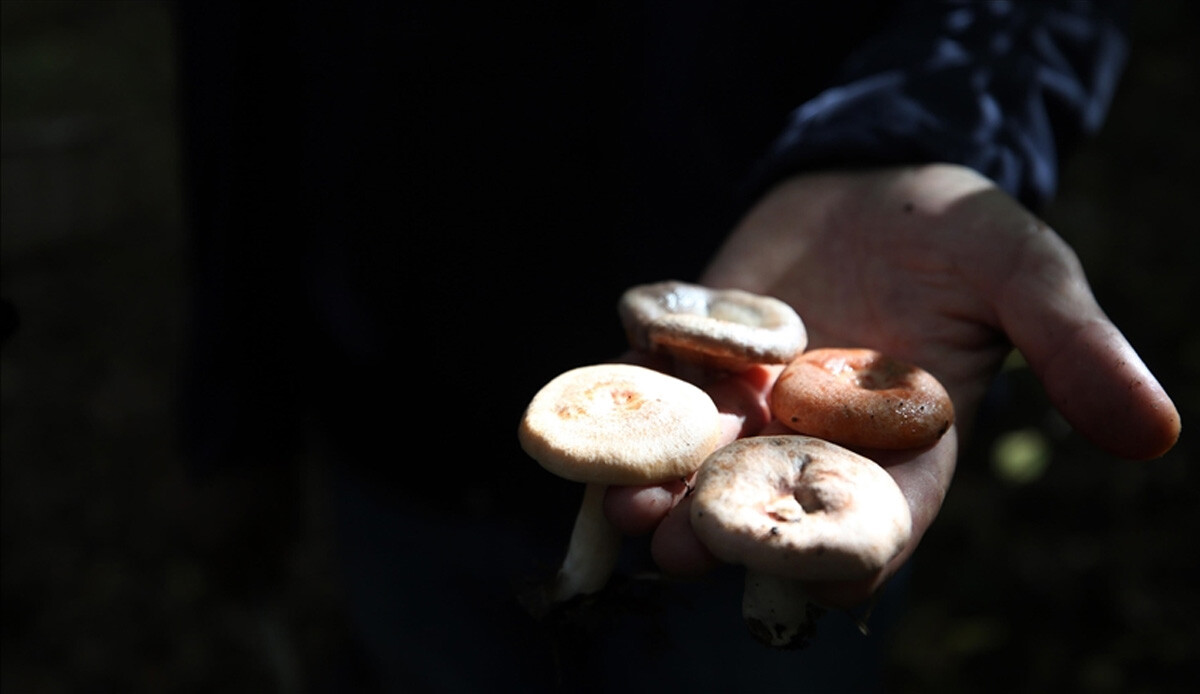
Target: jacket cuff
{"type": "Point", "coordinates": [1003, 88]}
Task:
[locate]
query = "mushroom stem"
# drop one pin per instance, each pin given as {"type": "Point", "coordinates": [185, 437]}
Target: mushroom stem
{"type": "Point", "coordinates": [592, 552]}
{"type": "Point", "coordinates": [778, 611]}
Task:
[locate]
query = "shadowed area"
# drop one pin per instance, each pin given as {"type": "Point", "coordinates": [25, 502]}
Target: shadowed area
{"type": "Point", "coordinates": [1053, 566]}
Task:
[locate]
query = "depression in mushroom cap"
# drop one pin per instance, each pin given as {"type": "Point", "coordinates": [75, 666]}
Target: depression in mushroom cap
{"type": "Point", "coordinates": [727, 328]}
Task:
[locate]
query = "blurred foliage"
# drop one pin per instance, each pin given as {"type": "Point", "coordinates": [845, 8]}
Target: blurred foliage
{"type": "Point", "coordinates": [1020, 456]}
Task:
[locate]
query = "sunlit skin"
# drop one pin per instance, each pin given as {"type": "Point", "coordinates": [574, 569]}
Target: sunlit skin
{"type": "Point", "coordinates": [936, 266]}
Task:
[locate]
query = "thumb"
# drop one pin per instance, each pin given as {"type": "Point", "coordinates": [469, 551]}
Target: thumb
{"type": "Point", "coordinates": [1089, 371]}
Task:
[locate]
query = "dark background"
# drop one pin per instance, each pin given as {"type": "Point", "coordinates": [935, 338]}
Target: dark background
{"type": "Point", "coordinates": [1052, 567]}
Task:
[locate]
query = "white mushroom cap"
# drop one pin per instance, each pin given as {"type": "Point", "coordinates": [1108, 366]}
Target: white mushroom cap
{"type": "Point", "coordinates": [799, 507]}
{"type": "Point", "coordinates": [620, 424]}
{"type": "Point", "coordinates": [728, 328]}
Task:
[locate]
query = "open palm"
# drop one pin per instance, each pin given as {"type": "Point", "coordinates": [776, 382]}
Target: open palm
{"type": "Point", "coordinates": [934, 265]}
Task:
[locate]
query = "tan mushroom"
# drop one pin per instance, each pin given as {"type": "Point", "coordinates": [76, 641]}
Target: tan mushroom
{"type": "Point", "coordinates": [725, 328]}
{"type": "Point", "coordinates": [613, 424]}
{"type": "Point", "coordinates": [792, 509]}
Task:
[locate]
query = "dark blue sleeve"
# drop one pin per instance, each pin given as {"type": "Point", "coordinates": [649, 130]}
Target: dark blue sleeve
{"type": "Point", "coordinates": [1005, 88]}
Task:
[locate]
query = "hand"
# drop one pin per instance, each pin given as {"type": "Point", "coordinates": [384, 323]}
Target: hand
{"type": "Point", "coordinates": [937, 266]}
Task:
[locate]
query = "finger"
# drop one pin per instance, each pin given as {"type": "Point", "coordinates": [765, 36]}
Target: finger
{"type": "Point", "coordinates": [1089, 370]}
{"type": "Point", "coordinates": [742, 398]}
{"type": "Point", "coordinates": [676, 549]}
{"type": "Point", "coordinates": [638, 510]}
{"type": "Point", "coordinates": [924, 478]}
{"type": "Point", "coordinates": [1104, 389]}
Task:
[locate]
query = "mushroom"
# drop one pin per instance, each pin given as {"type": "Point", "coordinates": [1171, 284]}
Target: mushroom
{"type": "Point", "coordinates": [862, 398]}
{"type": "Point", "coordinates": [613, 424]}
{"type": "Point", "coordinates": [791, 509]}
{"type": "Point", "coordinates": [726, 328]}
